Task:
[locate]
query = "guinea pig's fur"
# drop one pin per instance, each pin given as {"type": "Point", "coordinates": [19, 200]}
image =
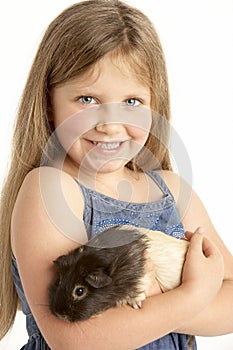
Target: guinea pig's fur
{"type": "Point", "coordinates": [109, 270]}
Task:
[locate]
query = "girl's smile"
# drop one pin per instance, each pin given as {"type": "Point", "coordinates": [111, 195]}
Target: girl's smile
{"type": "Point", "coordinates": [106, 147]}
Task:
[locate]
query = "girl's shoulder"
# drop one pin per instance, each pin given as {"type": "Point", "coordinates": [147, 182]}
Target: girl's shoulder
{"type": "Point", "coordinates": [49, 203]}
{"type": "Point", "coordinates": [49, 186]}
{"type": "Point", "coordinates": [176, 184]}
{"type": "Point", "coordinates": [185, 197]}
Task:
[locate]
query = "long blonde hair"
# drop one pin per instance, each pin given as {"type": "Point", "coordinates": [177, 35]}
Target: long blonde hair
{"type": "Point", "coordinates": [73, 42]}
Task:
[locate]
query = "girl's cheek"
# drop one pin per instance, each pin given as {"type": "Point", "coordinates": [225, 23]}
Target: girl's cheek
{"type": "Point", "coordinates": [72, 128]}
{"type": "Point", "coordinates": [138, 134]}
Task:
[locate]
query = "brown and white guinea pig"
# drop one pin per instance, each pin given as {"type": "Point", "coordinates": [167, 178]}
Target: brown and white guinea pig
{"type": "Point", "coordinates": [109, 270]}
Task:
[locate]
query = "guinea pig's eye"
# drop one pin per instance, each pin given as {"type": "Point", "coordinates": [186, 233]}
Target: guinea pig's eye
{"type": "Point", "coordinates": [79, 292]}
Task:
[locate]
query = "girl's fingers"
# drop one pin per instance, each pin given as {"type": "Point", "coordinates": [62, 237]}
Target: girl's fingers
{"type": "Point", "coordinates": [209, 248]}
{"type": "Point", "coordinates": [202, 244]}
{"type": "Point", "coordinates": [196, 242]}
{"type": "Point", "coordinates": [189, 234]}
{"type": "Point", "coordinates": [203, 266]}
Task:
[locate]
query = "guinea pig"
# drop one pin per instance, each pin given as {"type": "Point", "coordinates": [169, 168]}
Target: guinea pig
{"type": "Point", "coordinates": [109, 270]}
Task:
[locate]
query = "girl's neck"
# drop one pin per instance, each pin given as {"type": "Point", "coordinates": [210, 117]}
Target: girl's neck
{"type": "Point", "coordinates": [123, 184]}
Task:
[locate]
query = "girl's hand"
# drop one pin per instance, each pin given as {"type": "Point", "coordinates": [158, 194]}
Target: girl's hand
{"type": "Point", "coordinates": [203, 269]}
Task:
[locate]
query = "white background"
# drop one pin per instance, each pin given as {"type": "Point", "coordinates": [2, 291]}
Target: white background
{"type": "Point", "coordinates": [197, 38]}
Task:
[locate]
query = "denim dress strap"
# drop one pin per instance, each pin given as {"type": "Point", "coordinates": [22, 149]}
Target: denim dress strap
{"type": "Point", "coordinates": [160, 182]}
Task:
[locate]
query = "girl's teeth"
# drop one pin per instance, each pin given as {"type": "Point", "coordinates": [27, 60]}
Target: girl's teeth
{"type": "Point", "coordinates": [107, 145]}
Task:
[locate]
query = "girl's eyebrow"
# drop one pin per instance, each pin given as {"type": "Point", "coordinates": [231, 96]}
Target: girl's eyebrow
{"type": "Point", "coordinates": [137, 93]}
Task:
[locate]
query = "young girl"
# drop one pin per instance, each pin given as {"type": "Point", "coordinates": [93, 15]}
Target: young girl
{"type": "Point", "coordinates": [90, 152]}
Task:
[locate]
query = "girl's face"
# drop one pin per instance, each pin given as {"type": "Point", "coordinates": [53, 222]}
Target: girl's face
{"type": "Point", "coordinates": [102, 117]}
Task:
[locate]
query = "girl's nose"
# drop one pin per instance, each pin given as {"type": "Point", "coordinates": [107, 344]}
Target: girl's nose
{"type": "Point", "coordinates": [109, 119]}
{"type": "Point", "coordinates": [109, 128]}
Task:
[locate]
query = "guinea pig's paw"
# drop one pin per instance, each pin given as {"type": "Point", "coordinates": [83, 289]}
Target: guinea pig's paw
{"type": "Point", "coordinates": [136, 302]}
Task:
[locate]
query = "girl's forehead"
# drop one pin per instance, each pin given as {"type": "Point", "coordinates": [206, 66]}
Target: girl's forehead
{"type": "Point", "coordinates": [109, 68]}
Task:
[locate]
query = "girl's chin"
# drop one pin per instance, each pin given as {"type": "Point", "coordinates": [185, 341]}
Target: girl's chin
{"type": "Point", "coordinates": [91, 165]}
{"type": "Point", "coordinates": [104, 168]}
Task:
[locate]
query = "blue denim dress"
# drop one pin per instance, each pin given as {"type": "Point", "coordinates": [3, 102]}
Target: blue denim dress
{"type": "Point", "coordinates": [102, 212]}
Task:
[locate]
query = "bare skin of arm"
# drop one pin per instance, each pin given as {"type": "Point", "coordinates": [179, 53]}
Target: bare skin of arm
{"type": "Point", "coordinates": [217, 318]}
{"type": "Point", "coordinates": [37, 241]}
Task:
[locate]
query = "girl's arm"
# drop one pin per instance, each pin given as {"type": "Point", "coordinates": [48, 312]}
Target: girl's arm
{"type": "Point", "coordinates": [217, 319]}
{"type": "Point", "coordinates": [37, 241]}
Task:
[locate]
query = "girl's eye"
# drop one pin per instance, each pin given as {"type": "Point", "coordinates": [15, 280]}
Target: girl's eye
{"type": "Point", "coordinates": [132, 102]}
{"type": "Point", "coordinates": [87, 100]}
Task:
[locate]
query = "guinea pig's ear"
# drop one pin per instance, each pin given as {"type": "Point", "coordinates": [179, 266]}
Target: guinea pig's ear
{"type": "Point", "coordinates": [61, 261]}
{"type": "Point", "coordinates": [98, 279]}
